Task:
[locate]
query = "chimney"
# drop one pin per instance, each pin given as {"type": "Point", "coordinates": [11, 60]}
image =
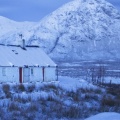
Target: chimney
{"type": "Point", "coordinates": [23, 44]}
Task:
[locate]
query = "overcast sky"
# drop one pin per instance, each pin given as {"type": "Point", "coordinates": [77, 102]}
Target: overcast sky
{"type": "Point", "coordinates": [33, 10]}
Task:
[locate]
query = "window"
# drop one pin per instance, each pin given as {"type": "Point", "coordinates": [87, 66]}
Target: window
{"type": "Point", "coordinates": [4, 71]}
{"type": "Point", "coordinates": [32, 72]}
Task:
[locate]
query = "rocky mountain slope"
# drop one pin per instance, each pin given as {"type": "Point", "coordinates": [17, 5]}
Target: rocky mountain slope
{"type": "Point", "coordinates": [9, 28]}
{"type": "Point", "coordinates": [81, 29]}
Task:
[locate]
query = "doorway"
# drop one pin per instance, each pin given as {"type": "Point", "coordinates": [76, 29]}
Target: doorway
{"type": "Point", "coordinates": [20, 74]}
{"type": "Point", "coordinates": [26, 74]}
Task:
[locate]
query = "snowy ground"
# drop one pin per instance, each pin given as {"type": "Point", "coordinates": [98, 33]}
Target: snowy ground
{"type": "Point", "coordinates": [113, 80]}
{"type": "Point", "coordinates": [105, 116]}
{"type": "Point", "coordinates": [68, 98]}
{"type": "Point", "coordinates": [82, 70]}
{"type": "Point", "coordinates": [73, 83]}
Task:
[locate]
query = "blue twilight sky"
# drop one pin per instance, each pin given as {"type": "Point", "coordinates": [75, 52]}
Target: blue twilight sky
{"type": "Point", "coordinates": [33, 10]}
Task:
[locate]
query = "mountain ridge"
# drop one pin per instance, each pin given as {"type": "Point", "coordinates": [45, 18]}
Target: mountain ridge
{"type": "Point", "coordinates": [80, 29]}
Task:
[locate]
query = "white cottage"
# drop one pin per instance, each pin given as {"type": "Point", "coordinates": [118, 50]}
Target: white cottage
{"type": "Point", "coordinates": [25, 64]}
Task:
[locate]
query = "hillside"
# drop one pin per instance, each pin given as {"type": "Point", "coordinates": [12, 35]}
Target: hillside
{"type": "Point", "coordinates": [9, 27]}
{"type": "Point", "coordinates": [80, 29]}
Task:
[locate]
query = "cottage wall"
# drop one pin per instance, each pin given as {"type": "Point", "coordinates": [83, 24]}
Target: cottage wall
{"type": "Point", "coordinates": [36, 76]}
{"type": "Point", "coordinates": [50, 74]}
{"type": "Point", "coordinates": [9, 74]}
{"type": "Point", "coordinates": [39, 74]}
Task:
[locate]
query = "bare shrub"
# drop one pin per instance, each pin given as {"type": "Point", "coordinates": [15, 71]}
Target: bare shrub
{"type": "Point", "coordinates": [21, 99]}
{"type": "Point", "coordinates": [16, 115]}
{"type": "Point", "coordinates": [13, 107]}
{"type": "Point", "coordinates": [21, 87]}
{"type": "Point", "coordinates": [33, 107]}
{"type": "Point", "coordinates": [50, 98]}
{"type": "Point", "coordinates": [2, 113]}
{"type": "Point", "coordinates": [30, 88]}
{"type": "Point", "coordinates": [98, 91]}
{"type": "Point", "coordinates": [71, 112]}
{"type": "Point", "coordinates": [86, 90]}
{"type": "Point", "coordinates": [108, 101]}
{"type": "Point", "coordinates": [53, 87]}
{"type": "Point", "coordinates": [113, 89]}
{"type": "Point", "coordinates": [87, 96]}
{"type": "Point", "coordinates": [73, 95]}
{"type": "Point", "coordinates": [6, 89]}
{"type": "Point", "coordinates": [26, 115]}
{"type": "Point", "coordinates": [56, 108]}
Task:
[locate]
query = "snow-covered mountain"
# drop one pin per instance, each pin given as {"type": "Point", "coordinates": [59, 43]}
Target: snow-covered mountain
{"type": "Point", "coordinates": [9, 27]}
{"type": "Point", "coordinates": [81, 29]}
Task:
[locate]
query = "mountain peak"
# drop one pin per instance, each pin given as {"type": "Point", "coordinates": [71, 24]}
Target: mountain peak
{"type": "Point", "coordinates": [80, 29]}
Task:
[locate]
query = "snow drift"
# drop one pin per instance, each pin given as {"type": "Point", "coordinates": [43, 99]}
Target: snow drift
{"type": "Point", "coordinates": [105, 116]}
